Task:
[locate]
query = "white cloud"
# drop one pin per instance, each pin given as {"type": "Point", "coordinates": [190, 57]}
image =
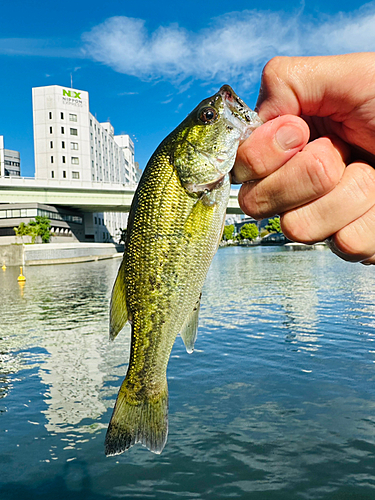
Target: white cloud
{"type": "Point", "coordinates": [343, 33]}
{"type": "Point", "coordinates": [128, 93]}
{"type": "Point", "coordinates": [230, 45]}
{"type": "Point", "coordinates": [233, 47]}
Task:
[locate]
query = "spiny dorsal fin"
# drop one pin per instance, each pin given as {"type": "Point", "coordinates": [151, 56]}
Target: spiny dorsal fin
{"type": "Point", "coordinates": [190, 329]}
{"type": "Point", "coordinates": [118, 310]}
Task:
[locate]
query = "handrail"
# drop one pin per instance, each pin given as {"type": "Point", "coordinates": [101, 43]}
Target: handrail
{"type": "Point", "coordinates": [68, 183]}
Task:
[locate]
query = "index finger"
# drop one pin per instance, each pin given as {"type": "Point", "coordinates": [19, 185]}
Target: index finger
{"type": "Point", "coordinates": [326, 86]}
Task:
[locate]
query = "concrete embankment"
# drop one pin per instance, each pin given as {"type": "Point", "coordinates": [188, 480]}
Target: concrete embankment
{"type": "Point", "coordinates": [57, 253]}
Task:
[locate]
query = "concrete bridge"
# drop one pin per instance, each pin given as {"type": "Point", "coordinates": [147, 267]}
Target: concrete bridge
{"type": "Point", "coordinates": [85, 196]}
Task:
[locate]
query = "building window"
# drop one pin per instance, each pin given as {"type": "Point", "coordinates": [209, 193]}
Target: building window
{"type": "Point", "coordinates": [75, 175]}
{"type": "Point", "coordinates": [62, 130]}
{"type": "Point", "coordinates": [50, 115]}
{"type": "Point", "coordinates": [51, 144]}
{"type": "Point", "coordinates": [90, 122]}
{"type": "Point", "coordinates": [52, 174]}
{"type": "Point", "coordinates": [64, 173]}
{"type": "Point", "coordinates": [74, 145]}
{"type": "Point", "coordinates": [50, 130]}
{"type": "Point", "coordinates": [72, 117]}
{"type": "Point", "coordinates": [73, 131]}
{"type": "Point", "coordinates": [75, 160]}
{"type": "Point", "coordinates": [63, 144]}
{"type": "Point", "coordinates": [96, 220]}
{"type": "Point", "coordinates": [51, 159]}
{"type": "Point", "coordinates": [63, 159]}
{"type": "Point", "coordinates": [62, 115]}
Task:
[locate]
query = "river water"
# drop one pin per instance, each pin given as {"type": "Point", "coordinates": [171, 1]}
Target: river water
{"type": "Point", "coordinates": [276, 402]}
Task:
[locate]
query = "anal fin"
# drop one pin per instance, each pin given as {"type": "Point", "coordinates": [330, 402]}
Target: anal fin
{"type": "Point", "coordinates": [118, 309]}
{"type": "Point", "coordinates": [189, 330]}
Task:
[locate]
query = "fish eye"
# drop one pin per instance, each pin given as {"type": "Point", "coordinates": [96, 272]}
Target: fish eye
{"type": "Point", "coordinates": [208, 115]}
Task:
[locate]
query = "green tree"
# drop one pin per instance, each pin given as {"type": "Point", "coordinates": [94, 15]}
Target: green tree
{"type": "Point", "coordinates": [249, 231]}
{"type": "Point", "coordinates": [273, 225]}
{"type": "Point", "coordinates": [228, 232]}
{"type": "Point", "coordinates": [39, 227]}
{"type": "Point", "coordinates": [22, 229]}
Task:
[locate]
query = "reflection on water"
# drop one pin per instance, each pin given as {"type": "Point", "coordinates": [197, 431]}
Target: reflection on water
{"type": "Point", "coordinates": [58, 322]}
{"type": "Point", "coordinates": [277, 401]}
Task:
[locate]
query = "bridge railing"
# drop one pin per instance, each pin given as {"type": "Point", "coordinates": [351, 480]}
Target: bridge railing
{"type": "Point", "coordinates": [15, 181]}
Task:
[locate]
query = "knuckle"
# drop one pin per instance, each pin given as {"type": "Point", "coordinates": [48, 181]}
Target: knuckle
{"type": "Point", "coordinates": [270, 70]}
{"type": "Point", "coordinates": [244, 200]}
{"type": "Point", "coordinates": [259, 167]}
{"type": "Point", "coordinates": [351, 245]}
{"type": "Point", "coordinates": [324, 169]}
{"type": "Point", "coordinates": [363, 180]}
{"type": "Point", "coordinates": [250, 162]}
{"type": "Point", "coordinates": [252, 202]}
{"type": "Point", "coordinates": [295, 227]}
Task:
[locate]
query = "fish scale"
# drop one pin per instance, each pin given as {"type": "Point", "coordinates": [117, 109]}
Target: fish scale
{"type": "Point", "coordinates": [174, 229]}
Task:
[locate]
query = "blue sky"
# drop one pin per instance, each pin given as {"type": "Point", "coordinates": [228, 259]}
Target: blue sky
{"type": "Point", "coordinates": [146, 64]}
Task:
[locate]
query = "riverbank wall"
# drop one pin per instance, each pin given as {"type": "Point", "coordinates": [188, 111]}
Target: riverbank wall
{"type": "Point", "coordinates": [57, 253]}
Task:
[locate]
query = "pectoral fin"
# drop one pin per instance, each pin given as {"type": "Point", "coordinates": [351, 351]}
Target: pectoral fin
{"type": "Point", "coordinates": [190, 329]}
{"type": "Point", "coordinates": [118, 310]}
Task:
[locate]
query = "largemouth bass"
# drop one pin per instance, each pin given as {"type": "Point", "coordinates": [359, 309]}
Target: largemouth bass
{"type": "Point", "coordinates": [174, 228]}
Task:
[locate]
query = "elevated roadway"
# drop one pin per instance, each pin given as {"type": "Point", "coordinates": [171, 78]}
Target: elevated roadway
{"type": "Point", "coordinates": [88, 197]}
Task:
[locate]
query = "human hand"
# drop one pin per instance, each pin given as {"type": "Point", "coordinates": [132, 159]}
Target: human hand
{"type": "Point", "coordinates": [311, 161]}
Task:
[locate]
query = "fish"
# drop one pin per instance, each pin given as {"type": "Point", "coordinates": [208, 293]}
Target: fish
{"type": "Point", "coordinates": [174, 229]}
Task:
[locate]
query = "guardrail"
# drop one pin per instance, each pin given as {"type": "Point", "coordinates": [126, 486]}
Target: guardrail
{"type": "Point", "coordinates": [14, 181]}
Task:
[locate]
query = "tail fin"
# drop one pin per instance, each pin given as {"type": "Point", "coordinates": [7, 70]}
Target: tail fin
{"type": "Point", "coordinates": [145, 422]}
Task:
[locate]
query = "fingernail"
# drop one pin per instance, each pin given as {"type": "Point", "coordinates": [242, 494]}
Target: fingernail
{"type": "Point", "coordinates": [289, 137]}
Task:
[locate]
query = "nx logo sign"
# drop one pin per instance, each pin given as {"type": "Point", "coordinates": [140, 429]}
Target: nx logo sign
{"type": "Point", "coordinates": [69, 93]}
{"type": "Point", "coordinates": [72, 98]}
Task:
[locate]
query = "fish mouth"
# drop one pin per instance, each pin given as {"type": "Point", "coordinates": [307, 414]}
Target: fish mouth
{"type": "Point", "coordinates": [238, 113]}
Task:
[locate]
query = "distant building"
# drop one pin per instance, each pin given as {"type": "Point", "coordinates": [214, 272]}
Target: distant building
{"type": "Point", "coordinates": [261, 224]}
{"type": "Point", "coordinates": [72, 147]}
{"type": "Point", "coordinates": [66, 225]}
{"type": "Point", "coordinates": [233, 219]}
{"type": "Point", "coordinates": [138, 171]}
{"type": "Point", "coordinates": [10, 162]}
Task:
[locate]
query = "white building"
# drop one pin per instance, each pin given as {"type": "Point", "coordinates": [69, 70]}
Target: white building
{"type": "Point", "coordinates": [72, 146]}
{"type": "Point", "coordinates": [10, 163]}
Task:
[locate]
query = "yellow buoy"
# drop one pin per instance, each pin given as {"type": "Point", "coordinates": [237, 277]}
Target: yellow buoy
{"type": "Point", "coordinates": [21, 277]}
{"type": "Point", "coordinates": [4, 267]}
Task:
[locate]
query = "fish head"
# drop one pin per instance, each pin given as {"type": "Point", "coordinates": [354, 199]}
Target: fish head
{"type": "Point", "coordinates": [206, 142]}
